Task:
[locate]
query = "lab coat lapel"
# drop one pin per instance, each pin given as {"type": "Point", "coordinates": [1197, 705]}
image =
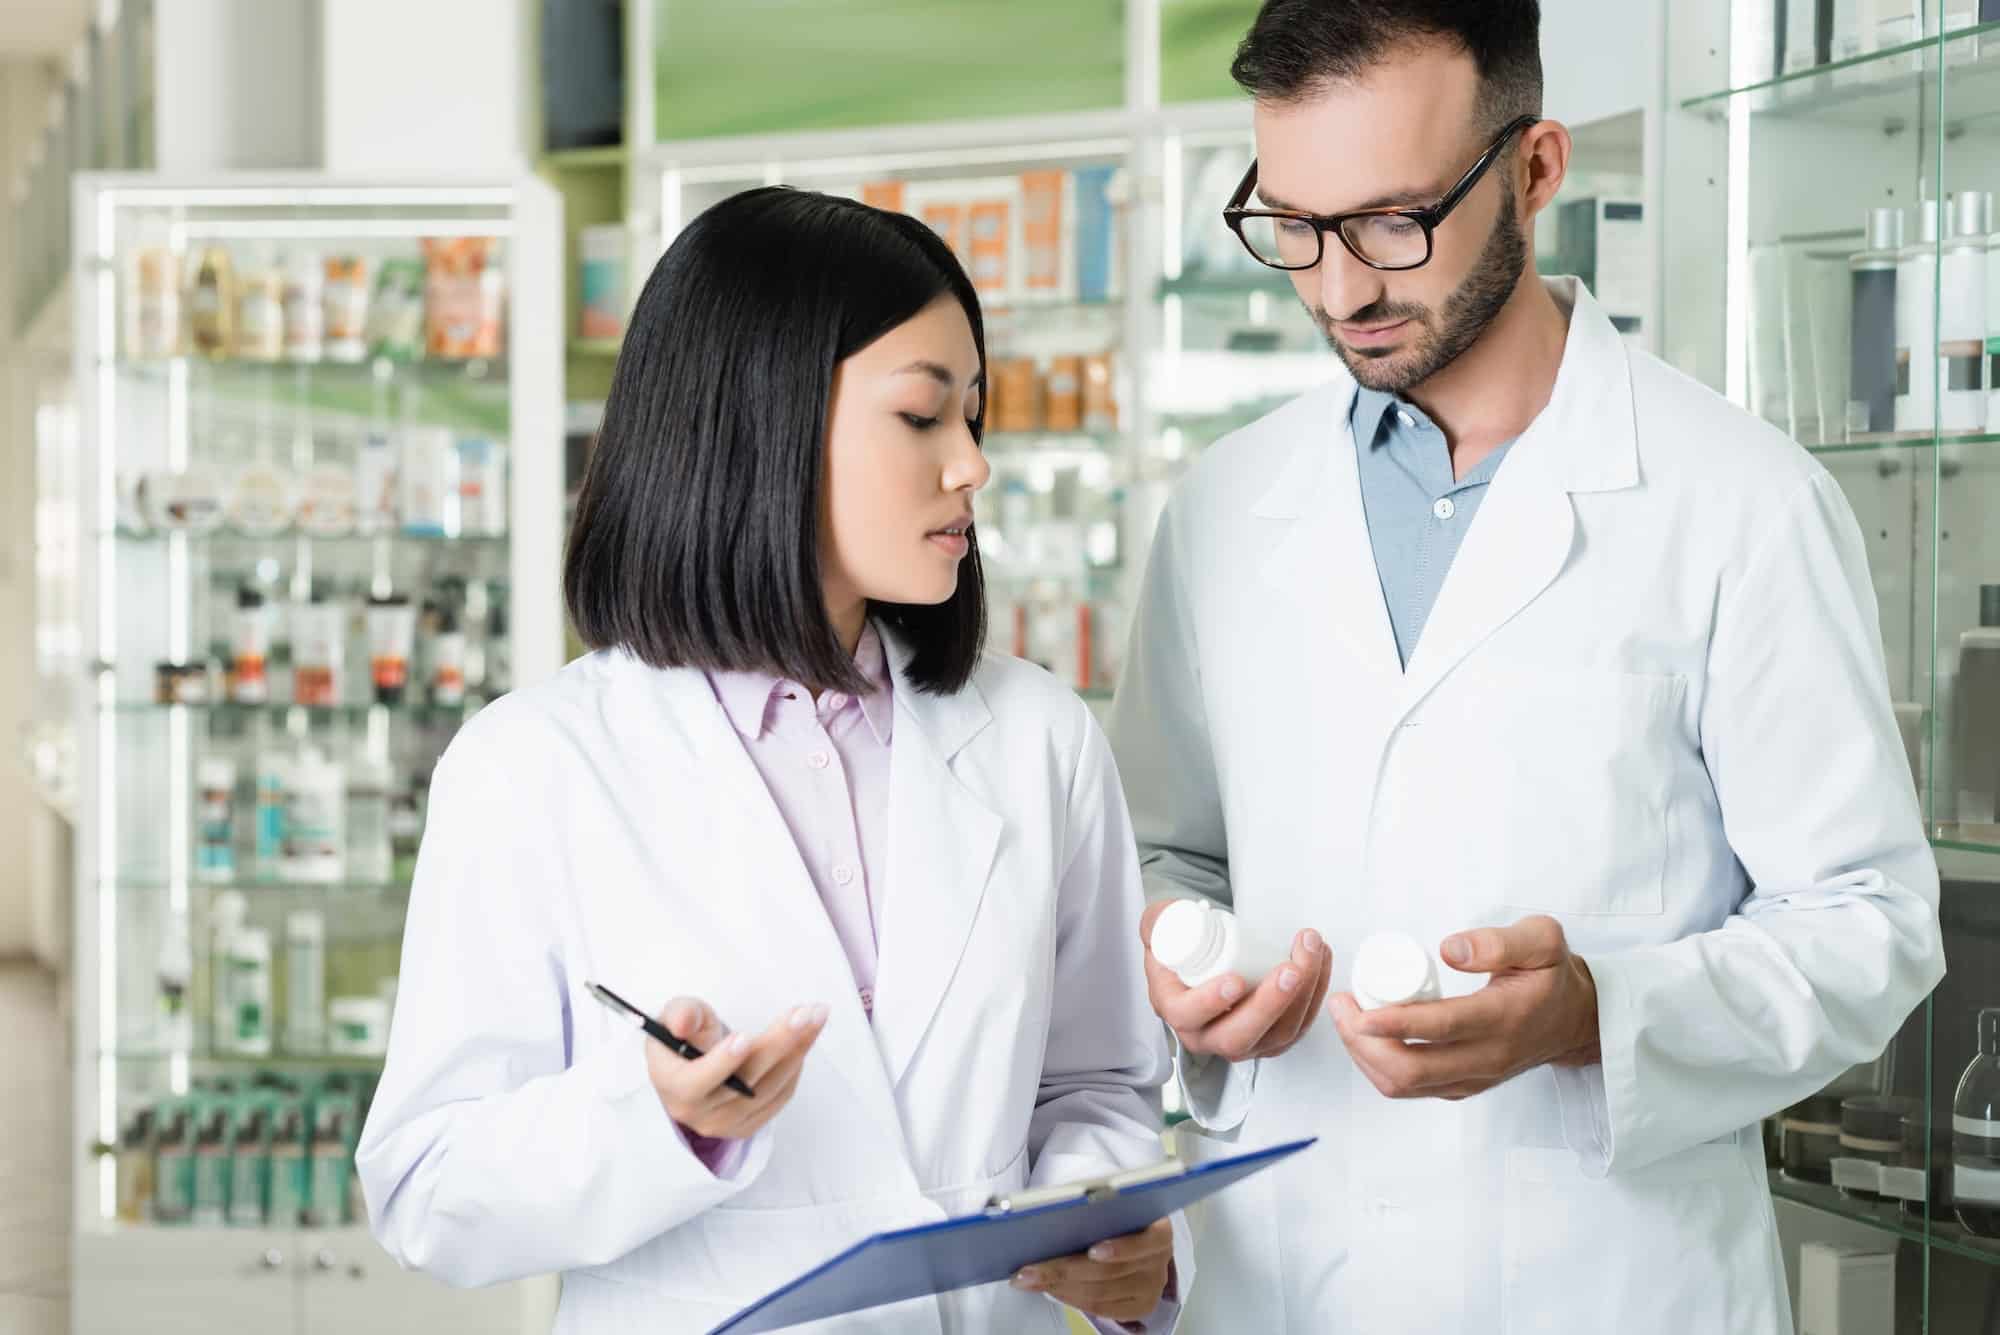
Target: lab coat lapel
{"type": "Point", "coordinates": [1321, 561]}
{"type": "Point", "coordinates": [758, 887]}
{"type": "Point", "coordinates": [941, 845]}
{"type": "Point", "coordinates": [1585, 440]}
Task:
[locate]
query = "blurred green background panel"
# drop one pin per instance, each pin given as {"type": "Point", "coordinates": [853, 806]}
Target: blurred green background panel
{"type": "Point", "coordinates": [1197, 41]}
{"type": "Point", "coordinates": [727, 67]}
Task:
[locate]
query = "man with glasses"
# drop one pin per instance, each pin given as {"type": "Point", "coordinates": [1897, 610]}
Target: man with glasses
{"type": "Point", "coordinates": [1515, 641]}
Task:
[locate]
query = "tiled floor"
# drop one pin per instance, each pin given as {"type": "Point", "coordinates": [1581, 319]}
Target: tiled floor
{"type": "Point", "coordinates": [34, 1156]}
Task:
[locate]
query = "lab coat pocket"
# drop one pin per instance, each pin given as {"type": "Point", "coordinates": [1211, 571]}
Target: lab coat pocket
{"type": "Point", "coordinates": [1677, 1246]}
{"type": "Point", "coordinates": [1567, 776]}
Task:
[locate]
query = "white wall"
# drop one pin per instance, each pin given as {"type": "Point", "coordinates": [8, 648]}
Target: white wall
{"type": "Point", "coordinates": [25, 86]}
{"type": "Point", "coordinates": [237, 84]}
{"type": "Point", "coordinates": [1600, 58]}
{"type": "Point", "coordinates": [428, 86]}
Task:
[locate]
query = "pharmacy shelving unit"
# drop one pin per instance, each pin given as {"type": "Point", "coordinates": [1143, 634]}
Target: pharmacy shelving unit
{"type": "Point", "coordinates": [1834, 265]}
{"type": "Point", "coordinates": [1111, 357]}
{"type": "Point", "coordinates": [167, 432]}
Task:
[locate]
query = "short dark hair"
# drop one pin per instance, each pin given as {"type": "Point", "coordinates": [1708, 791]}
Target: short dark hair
{"type": "Point", "coordinates": [1296, 48]}
{"type": "Point", "coordinates": [696, 540]}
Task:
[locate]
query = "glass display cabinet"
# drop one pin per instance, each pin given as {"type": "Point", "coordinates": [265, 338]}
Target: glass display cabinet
{"type": "Point", "coordinates": [1831, 173]}
{"type": "Point", "coordinates": [319, 518]}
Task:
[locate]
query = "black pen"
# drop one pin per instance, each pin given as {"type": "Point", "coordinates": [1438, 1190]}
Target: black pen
{"type": "Point", "coordinates": [659, 1033]}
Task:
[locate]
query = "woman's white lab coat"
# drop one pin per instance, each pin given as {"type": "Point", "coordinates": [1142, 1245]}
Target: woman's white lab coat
{"type": "Point", "coordinates": [608, 826]}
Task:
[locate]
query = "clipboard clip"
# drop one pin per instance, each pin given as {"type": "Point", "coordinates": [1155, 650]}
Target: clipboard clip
{"type": "Point", "coordinates": [1091, 1190]}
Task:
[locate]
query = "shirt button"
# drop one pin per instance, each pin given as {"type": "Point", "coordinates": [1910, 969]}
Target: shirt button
{"type": "Point", "coordinates": [835, 702]}
{"type": "Point", "coordinates": [843, 875]}
{"type": "Point", "coordinates": [819, 760]}
{"type": "Point", "coordinates": [1405, 419]}
{"type": "Point", "coordinates": [1444, 509]}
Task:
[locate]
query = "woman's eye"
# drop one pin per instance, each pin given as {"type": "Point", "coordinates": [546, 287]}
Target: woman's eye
{"type": "Point", "coordinates": [918, 423]}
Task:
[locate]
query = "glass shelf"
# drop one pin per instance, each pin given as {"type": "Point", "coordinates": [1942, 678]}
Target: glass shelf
{"type": "Point", "coordinates": [1944, 1233]}
{"type": "Point", "coordinates": [228, 537]}
{"type": "Point", "coordinates": [277, 1057]}
{"type": "Point", "coordinates": [230, 709]}
{"type": "Point", "coordinates": [480, 370]}
{"type": "Point", "coordinates": [1271, 284]}
{"type": "Point", "coordinates": [356, 889]}
{"type": "Point", "coordinates": [1910, 440]}
{"type": "Point", "coordinates": [586, 159]}
{"type": "Point", "coordinates": [1966, 838]}
{"type": "Point", "coordinates": [1863, 87]}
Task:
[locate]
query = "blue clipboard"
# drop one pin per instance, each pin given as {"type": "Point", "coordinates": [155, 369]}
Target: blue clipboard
{"type": "Point", "coordinates": [990, 1246]}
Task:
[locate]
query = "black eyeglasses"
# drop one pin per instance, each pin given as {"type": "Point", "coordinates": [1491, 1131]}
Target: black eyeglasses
{"type": "Point", "coordinates": [1391, 239]}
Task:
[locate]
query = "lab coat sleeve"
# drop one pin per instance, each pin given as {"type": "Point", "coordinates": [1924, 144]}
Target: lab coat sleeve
{"type": "Point", "coordinates": [492, 1150]}
{"type": "Point", "coordinates": [1838, 940]}
{"type": "Point", "coordinates": [1159, 725]}
{"type": "Point", "coordinates": [1098, 1109]}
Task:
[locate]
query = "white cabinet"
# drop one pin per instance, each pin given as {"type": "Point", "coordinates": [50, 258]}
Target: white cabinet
{"type": "Point", "coordinates": [348, 1285]}
{"type": "Point", "coordinates": [171, 1281]}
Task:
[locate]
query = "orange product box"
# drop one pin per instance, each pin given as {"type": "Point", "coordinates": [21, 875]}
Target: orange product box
{"type": "Point", "coordinates": [888, 195]}
{"type": "Point", "coordinates": [1063, 404]}
{"type": "Point", "coordinates": [1042, 230]}
{"type": "Point", "coordinates": [1100, 401]}
{"type": "Point", "coordinates": [990, 243]}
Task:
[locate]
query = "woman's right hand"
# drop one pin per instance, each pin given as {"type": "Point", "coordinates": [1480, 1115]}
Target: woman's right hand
{"type": "Point", "coordinates": [693, 1091]}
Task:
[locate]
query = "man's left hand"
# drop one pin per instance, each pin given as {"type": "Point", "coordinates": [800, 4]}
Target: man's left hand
{"type": "Point", "coordinates": [1539, 1009]}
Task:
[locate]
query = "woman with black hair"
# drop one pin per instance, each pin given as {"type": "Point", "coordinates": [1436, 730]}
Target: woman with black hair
{"type": "Point", "coordinates": [788, 792]}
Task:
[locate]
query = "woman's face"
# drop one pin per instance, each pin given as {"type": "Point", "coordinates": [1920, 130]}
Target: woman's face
{"type": "Point", "coordinates": [902, 464]}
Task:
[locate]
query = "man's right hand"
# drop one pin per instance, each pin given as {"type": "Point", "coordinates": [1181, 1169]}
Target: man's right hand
{"type": "Point", "coordinates": [1237, 1020]}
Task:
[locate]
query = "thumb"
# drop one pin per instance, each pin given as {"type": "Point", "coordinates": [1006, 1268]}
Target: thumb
{"type": "Point", "coordinates": [1531, 943]}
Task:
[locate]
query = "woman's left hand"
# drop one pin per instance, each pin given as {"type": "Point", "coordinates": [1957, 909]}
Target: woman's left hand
{"type": "Point", "coordinates": [1122, 1279]}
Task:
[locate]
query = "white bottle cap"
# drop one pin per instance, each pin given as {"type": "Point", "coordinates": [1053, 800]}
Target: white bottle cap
{"type": "Point", "coordinates": [1390, 968]}
{"type": "Point", "coordinates": [215, 772]}
{"type": "Point", "coordinates": [1187, 937]}
{"type": "Point", "coordinates": [305, 925]}
{"type": "Point", "coordinates": [227, 909]}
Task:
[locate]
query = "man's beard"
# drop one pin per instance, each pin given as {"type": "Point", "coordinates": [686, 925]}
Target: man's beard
{"type": "Point", "coordinates": [1467, 313]}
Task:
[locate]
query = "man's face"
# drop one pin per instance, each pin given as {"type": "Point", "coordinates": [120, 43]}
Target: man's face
{"type": "Point", "coordinates": [1400, 136]}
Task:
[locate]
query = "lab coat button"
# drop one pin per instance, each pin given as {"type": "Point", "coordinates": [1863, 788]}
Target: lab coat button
{"type": "Point", "coordinates": [835, 702]}
{"type": "Point", "coordinates": [819, 760]}
{"type": "Point", "coordinates": [843, 875]}
{"type": "Point", "coordinates": [1444, 509]}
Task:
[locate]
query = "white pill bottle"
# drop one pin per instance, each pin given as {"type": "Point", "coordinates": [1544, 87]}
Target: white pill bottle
{"type": "Point", "coordinates": [1200, 942]}
{"type": "Point", "coordinates": [1391, 969]}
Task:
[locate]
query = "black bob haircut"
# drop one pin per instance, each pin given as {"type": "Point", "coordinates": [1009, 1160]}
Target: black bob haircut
{"type": "Point", "coordinates": [696, 540]}
{"type": "Point", "coordinates": [1296, 48]}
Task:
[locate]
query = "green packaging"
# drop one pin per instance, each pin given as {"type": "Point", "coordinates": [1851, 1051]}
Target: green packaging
{"type": "Point", "coordinates": [212, 1169]}
{"type": "Point", "coordinates": [291, 1166]}
{"type": "Point", "coordinates": [396, 316]}
{"type": "Point", "coordinates": [173, 1167]}
{"type": "Point", "coordinates": [250, 1179]}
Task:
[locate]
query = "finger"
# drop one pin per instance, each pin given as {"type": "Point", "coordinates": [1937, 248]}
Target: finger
{"type": "Point", "coordinates": [1307, 949]}
{"type": "Point", "coordinates": [1155, 1240]}
{"type": "Point", "coordinates": [779, 1055]}
{"type": "Point", "coordinates": [1126, 1298]}
{"type": "Point", "coordinates": [789, 1036]}
{"type": "Point", "coordinates": [695, 1081]}
{"type": "Point", "coordinates": [1192, 1012]}
{"type": "Point", "coordinates": [691, 1019]}
{"type": "Point", "coordinates": [1466, 1019]}
{"type": "Point", "coordinates": [1237, 1033]}
{"type": "Point", "coordinates": [1298, 1017]}
{"type": "Point", "coordinates": [1531, 943]}
{"type": "Point", "coordinates": [1394, 1068]}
